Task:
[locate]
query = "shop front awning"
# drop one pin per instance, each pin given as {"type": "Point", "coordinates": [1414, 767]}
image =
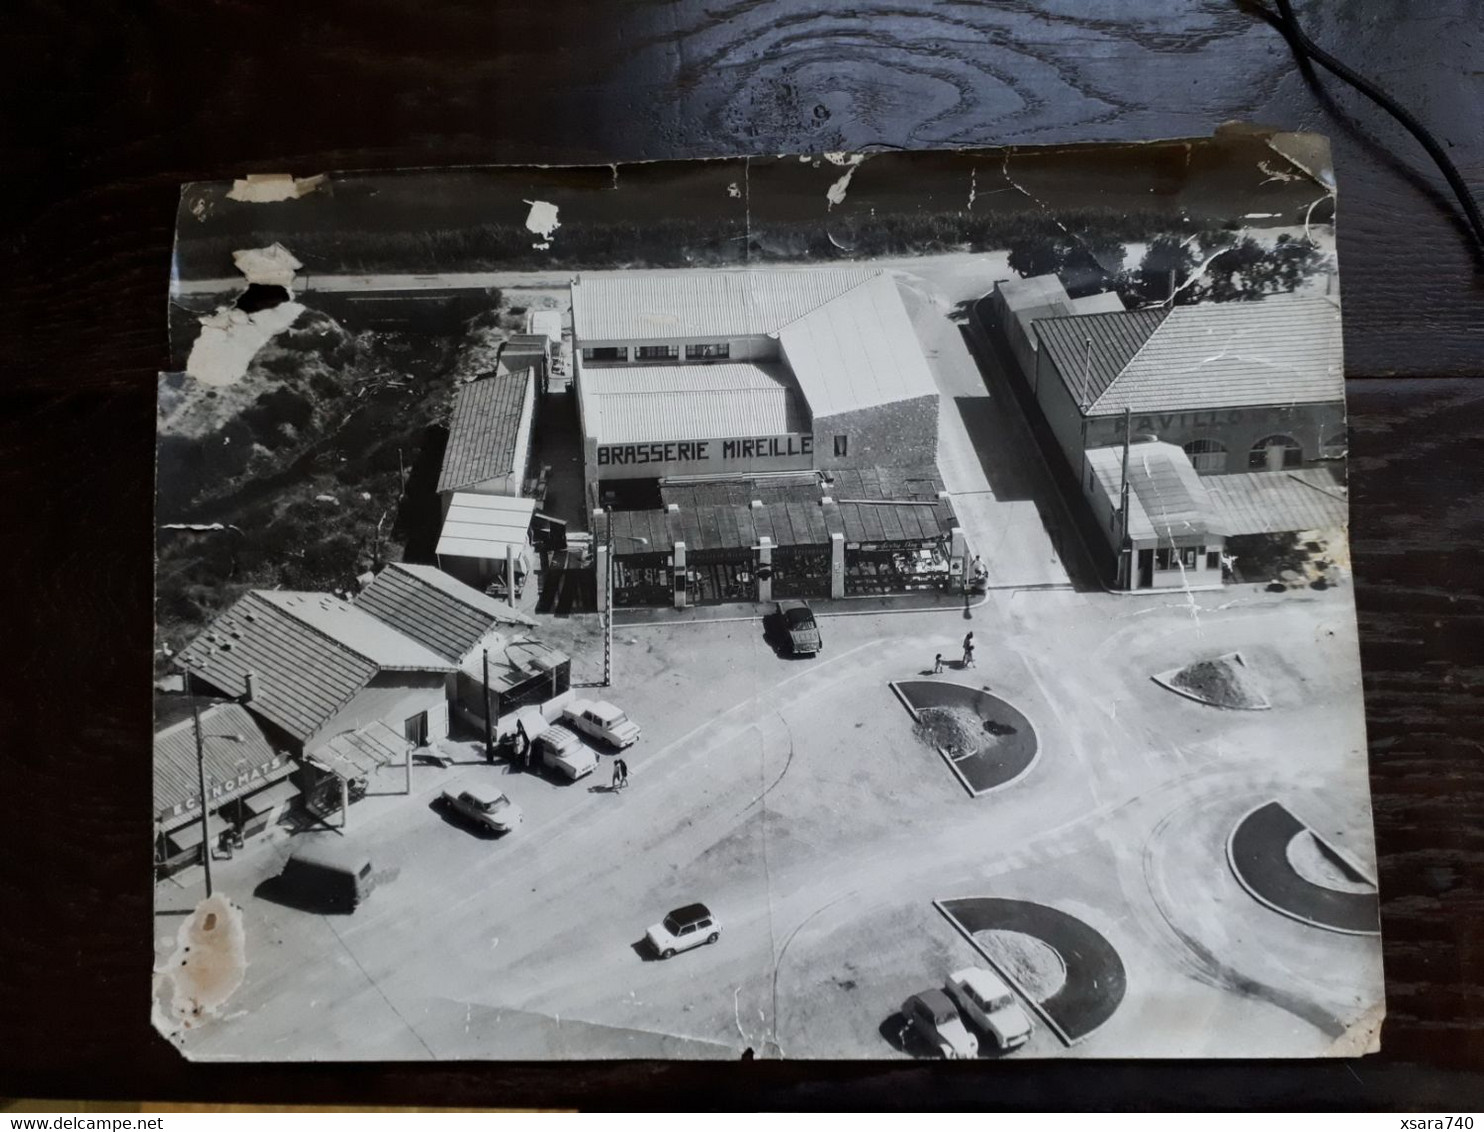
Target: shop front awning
{"type": "Point", "coordinates": [484, 526]}
{"type": "Point", "coordinates": [264, 800]}
{"type": "Point", "coordinates": [187, 837]}
{"type": "Point", "coordinates": [1265, 503]}
{"type": "Point", "coordinates": [356, 754]}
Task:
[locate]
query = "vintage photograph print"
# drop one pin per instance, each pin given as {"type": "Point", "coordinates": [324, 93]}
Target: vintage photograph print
{"type": "Point", "coordinates": [881, 605]}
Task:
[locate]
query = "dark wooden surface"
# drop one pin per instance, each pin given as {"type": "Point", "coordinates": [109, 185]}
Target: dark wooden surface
{"type": "Point", "coordinates": [107, 107]}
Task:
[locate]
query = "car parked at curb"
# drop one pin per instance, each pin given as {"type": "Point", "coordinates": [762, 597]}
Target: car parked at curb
{"type": "Point", "coordinates": [683, 929]}
{"type": "Point", "coordinates": [601, 720]}
{"type": "Point", "coordinates": [797, 627]}
{"type": "Point", "coordinates": [932, 1014]}
{"type": "Point", "coordinates": [985, 1001]}
{"type": "Point", "coordinates": [563, 751]}
{"type": "Point", "coordinates": [484, 807]}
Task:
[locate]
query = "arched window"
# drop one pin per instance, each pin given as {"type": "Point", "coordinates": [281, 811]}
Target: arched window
{"type": "Point", "coordinates": [1274, 453]}
{"type": "Point", "coordinates": [1207, 455]}
{"type": "Point", "coordinates": [1335, 445]}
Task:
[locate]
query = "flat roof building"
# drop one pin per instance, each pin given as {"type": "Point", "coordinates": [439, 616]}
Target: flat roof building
{"type": "Point", "coordinates": [744, 372]}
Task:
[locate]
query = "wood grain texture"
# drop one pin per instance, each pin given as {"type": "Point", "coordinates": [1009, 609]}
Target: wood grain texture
{"type": "Point", "coordinates": [108, 106]}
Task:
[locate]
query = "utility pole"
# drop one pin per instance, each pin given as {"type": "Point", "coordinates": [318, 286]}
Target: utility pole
{"type": "Point", "coordinates": [608, 609]}
{"type": "Point", "coordinates": [201, 785]}
{"type": "Point", "coordinates": [1125, 551]}
{"type": "Point", "coordinates": [489, 722]}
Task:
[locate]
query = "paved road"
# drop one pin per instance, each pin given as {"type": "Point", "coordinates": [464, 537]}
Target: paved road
{"type": "Point", "coordinates": [792, 797]}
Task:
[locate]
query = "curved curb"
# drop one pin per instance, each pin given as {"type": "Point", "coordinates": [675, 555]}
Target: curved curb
{"type": "Point", "coordinates": [1299, 917]}
{"type": "Point", "coordinates": [1084, 976]}
{"type": "Point", "coordinates": [969, 787]}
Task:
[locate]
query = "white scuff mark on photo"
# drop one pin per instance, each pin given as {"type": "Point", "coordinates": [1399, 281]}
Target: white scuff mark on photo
{"type": "Point", "coordinates": [231, 338]}
{"type": "Point", "coordinates": [205, 969]}
{"type": "Point", "coordinates": [542, 220]}
{"type": "Point", "coordinates": [1274, 173]}
{"type": "Point", "coordinates": [734, 190]}
{"type": "Point", "coordinates": [835, 194]}
{"type": "Point", "coordinates": [273, 266]}
{"type": "Point", "coordinates": [270, 188]}
{"type": "Point", "coordinates": [973, 186]}
{"type": "Point", "coordinates": [200, 527]}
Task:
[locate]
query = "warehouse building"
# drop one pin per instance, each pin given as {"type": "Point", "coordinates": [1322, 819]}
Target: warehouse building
{"type": "Point", "coordinates": [1233, 415]}
{"type": "Point", "coordinates": [742, 373]}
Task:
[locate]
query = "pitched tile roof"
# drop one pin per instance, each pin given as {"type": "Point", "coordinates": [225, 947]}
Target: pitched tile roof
{"type": "Point", "coordinates": [1168, 500]}
{"type": "Point", "coordinates": [1090, 351]}
{"type": "Point", "coordinates": [1281, 350]}
{"type": "Point", "coordinates": [233, 747]}
{"type": "Point", "coordinates": [434, 609]}
{"type": "Point", "coordinates": [484, 430]}
{"type": "Point", "coordinates": [701, 304]}
{"type": "Point", "coordinates": [309, 653]}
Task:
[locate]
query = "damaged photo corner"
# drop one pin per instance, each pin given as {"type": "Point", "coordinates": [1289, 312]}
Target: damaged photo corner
{"type": "Point", "coordinates": [882, 606]}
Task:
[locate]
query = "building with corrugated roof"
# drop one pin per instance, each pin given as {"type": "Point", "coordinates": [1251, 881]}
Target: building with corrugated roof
{"type": "Point", "coordinates": [745, 372]}
{"type": "Point", "coordinates": [247, 776]}
{"type": "Point", "coordinates": [1235, 391]}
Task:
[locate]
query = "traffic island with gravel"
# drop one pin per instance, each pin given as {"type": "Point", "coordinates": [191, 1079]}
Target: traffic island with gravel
{"type": "Point", "coordinates": [986, 742]}
{"type": "Point", "coordinates": [1224, 682]}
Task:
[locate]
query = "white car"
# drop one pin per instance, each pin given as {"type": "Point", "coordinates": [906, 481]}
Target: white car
{"type": "Point", "coordinates": [562, 751]}
{"type": "Point", "coordinates": [602, 720]}
{"type": "Point", "coordinates": [484, 807]}
{"type": "Point", "coordinates": [683, 929]}
{"type": "Point", "coordinates": [983, 998]}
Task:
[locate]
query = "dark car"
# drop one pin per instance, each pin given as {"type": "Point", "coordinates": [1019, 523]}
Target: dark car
{"type": "Point", "coordinates": [797, 628]}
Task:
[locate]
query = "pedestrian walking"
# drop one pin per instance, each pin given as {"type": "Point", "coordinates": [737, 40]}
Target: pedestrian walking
{"type": "Point", "coordinates": [937, 664]}
{"type": "Point", "coordinates": [968, 650]}
{"type": "Point", "coordinates": [623, 772]}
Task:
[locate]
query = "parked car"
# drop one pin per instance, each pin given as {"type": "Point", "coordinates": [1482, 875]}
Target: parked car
{"type": "Point", "coordinates": [602, 720]}
{"type": "Point", "coordinates": [683, 929]}
{"type": "Point", "coordinates": [931, 1013]}
{"type": "Point", "coordinates": [561, 750]}
{"type": "Point", "coordinates": [799, 630]}
{"type": "Point", "coordinates": [485, 807]}
{"type": "Point", "coordinates": [983, 998]}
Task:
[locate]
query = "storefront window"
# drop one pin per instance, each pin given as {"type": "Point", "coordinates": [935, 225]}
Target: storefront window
{"type": "Point", "coordinates": [1164, 559]}
{"type": "Point", "coordinates": [656, 353]}
{"type": "Point", "coordinates": [1188, 556]}
{"type": "Point", "coordinates": [606, 354]}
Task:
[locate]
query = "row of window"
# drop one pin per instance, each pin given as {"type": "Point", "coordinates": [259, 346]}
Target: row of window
{"type": "Point", "coordinates": [1271, 453]}
{"type": "Point", "coordinates": [1185, 557]}
{"type": "Point", "coordinates": [694, 352]}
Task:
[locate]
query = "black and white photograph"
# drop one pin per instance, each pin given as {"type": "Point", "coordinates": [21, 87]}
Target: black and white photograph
{"type": "Point", "coordinates": [874, 605]}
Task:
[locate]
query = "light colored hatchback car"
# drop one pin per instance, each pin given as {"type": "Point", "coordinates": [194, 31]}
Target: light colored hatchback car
{"type": "Point", "coordinates": [601, 720]}
{"type": "Point", "coordinates": [931, 1013]}
{"type": "Point", "coordinates": [683, 929]}
{"type": "Point", "coordinates": [983, 998]}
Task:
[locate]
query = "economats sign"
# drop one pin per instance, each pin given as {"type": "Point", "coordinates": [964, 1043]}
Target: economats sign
{"type": "Point", "coordinates": [790, 452]}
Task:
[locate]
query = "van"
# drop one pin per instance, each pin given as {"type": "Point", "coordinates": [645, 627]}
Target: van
{"type": "Point", "coordinates": [327, 873]}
